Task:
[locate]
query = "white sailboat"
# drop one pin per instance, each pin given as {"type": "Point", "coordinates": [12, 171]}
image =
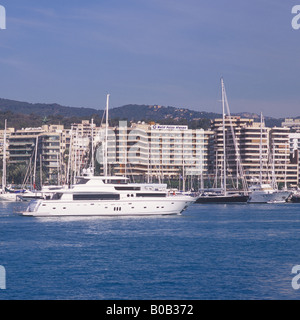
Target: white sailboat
{"type": "Point", "coordinates": [109, 196]}
{"type": "Point", "coordinates": [5, 195]}
{"type": "Point", "coordinates": [264, 192]}
{"type": "Point", "coordinates": [225, 196]}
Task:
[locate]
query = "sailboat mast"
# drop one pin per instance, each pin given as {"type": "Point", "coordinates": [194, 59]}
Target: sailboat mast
{"type": "Point", "coordinates": [4, 159]}
{"type": "Point", "coordinates": [75, 155]}
{"type": "Point", "coordinates": [35, 159]}
{"type": "Point", "coordinates": [224, 138]}
{"type": "Point", "coordinates": [260, 150]}
{"type": "Point", "coordinates": [106, 138]}
{"type": "Point", "coordinates": [92, 142]}
{"type": "Point", "coordinates": [69, 172]}
{"type": "Point", "coordinates": [285, 165]}
{"type": "Point", "coordinates": [41, 171]}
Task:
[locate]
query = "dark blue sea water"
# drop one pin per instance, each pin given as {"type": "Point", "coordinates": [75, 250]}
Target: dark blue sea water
{"type": "Point", "coordinates": [209, 252]}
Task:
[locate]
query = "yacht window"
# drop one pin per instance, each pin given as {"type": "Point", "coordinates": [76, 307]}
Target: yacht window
{"type": "Point", "coordinates": [57, 196]}
{"type": "Point", "coordinates": [128, 188]}
{"type": "Point", "coordinates": [96, 196]}
{"type": "Point", "coordinates": [115, 181]}
{"type": "Point", "coordinates": [82, 181]}
{"type": "Point", "coordinates": [160, 195]}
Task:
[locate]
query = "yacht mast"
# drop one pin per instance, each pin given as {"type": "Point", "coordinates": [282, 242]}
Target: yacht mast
{"type": "Point", "coordinates": [75, 146]}
{"type": "Point", "coordinates": [285, 165]}
{"type": "Point", "coordinates": [92, 138]}
{"type": "Point", "coordinates": [260, 150]}
{"type": "Point", "coordinates": [35, 159]}
{"type": "Point", "coordinates": [69, 172]}
{"type": "Point", "coordinates": [224, 138]}
{"type": "Point", "coordinates": [239, 167]}
{"type": "Point", "coordinates": [4, 159]}
{"type": "Point", "coordinates": [106, 138]}
{"type": "Point", "coordinates": [41, 171]}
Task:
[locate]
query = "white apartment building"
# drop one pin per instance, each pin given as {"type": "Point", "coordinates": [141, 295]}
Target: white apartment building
{"type": "Point", "coordinates": [285, 164]}
{"type": "Point", "coordinates": [154, 152]}
{"type": "Point", "coordinates": [263, 152]}
{"type": "Point", "coordinates": [178, 150]}
{"type": "Point", "coordinates": [157, 152]}
{"type": "Point", "coordinates": [234, 148]}
{"type": "Point", "coordinates": [294, 144]}
{"type": "Point", "coordinates": [293, 124]}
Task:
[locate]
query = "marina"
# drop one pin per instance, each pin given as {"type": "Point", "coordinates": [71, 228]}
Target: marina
{"type": "Point", "coordinates": [104, 194]}
{"type": "Point", "coordinates": [129, 172]}
{"type": "Point", "coordinates": [215, 251]}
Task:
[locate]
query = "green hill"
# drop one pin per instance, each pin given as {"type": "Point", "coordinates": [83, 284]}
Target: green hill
{"type": "Point", "coordinates": [23, 114]}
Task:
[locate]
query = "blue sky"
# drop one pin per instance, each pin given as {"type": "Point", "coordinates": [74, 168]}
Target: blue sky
{"type": "Point", "coordinates": [166, 52]}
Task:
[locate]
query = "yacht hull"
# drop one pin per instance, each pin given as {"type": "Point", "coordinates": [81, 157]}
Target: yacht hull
{"type": "Point", "coordinates": [166, 206]}
{"type": "Point", "coordinates": [223, 199]}
{"type": "Point", "coordinates": [295, 199]}
{"type": "Point", "coordinates": [8, 197]}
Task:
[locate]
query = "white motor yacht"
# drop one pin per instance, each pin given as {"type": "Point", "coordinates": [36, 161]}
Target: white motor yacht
{"type": "Point", "coordinates": [265, 193]}
{"type": "Point", "coordinates": [110, 196]}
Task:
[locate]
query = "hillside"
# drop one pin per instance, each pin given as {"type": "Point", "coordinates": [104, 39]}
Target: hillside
{"type": "Point", "coordinates": [131, 112]}
{"type": "Point", "coordinates": [24, 114]}
{"type": "Point", "coordinates": [43, 109]}
{"type": "Point", "coordinates": [138, 112]}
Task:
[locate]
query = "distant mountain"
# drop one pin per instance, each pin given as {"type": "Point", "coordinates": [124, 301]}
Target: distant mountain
{"type": "Point", "coordinates": [55, 113]}
{"type": "Point", "coordinates": [270, 121]}
{"type": "Point", "coordinates": [43, 109]}
{"type": "Point", "coordinates": [135, 112]}
{"type": "Point", "coordinates": [131, 112]}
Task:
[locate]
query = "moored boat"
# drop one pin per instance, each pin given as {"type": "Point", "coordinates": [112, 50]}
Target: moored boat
{"type": "Point", "coordinates": [224, 195]}
{"type": "Point", "coordinates": [221, 198]}
{"type": "Point", "coordinates": [44, 193]}
{"type": "Point", "coordinates": [265, 193]}
{"type": "Point", "coordinates": [109, 196]}
{"type": "Point", "coordinates": [295, 198]}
